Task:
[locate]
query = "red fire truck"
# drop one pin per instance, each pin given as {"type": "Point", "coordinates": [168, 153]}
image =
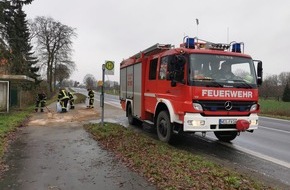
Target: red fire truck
{"type": "Point", "coordinates": [198, 87]}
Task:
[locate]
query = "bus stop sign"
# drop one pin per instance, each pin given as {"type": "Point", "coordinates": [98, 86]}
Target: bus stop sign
{"type": "Point", "coordinates": [109, 67]}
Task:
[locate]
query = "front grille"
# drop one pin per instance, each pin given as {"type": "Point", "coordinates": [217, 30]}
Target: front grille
{"type": "Point", "coordinates": [220, 105]}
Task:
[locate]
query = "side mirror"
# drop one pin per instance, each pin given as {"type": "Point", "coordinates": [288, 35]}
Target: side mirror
{"type": "Point", "coordinates": [173, 83]}
{"type": "Point", "coordinates": [176, 71]}
{"type": "Point", "coordinates": [180, 60]}
{"type": "Point", "coordinates": [259, 73]}
{"type": "Point", "coordinates": [170, 75]}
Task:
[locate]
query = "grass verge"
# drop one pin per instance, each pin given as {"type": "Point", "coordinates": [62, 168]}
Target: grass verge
{"type": "Point", "coordinates": [9, 122]}
{"type": "Point", "coordinates": [80, 98]}
{"type": "Point", "coordinates": [274, 108]}
{"type": "Point", "coordinates": [165, 166]}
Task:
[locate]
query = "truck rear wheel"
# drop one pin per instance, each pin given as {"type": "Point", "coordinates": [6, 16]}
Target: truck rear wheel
{"type": "Point", "coordinates": [131, 119]}
{"type": "Point", "coordinates": [226, 136]}
{"type": "Point", "coordinates": [164, 127]}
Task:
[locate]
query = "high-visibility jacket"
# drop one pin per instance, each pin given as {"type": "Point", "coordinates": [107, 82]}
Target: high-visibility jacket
{"type": "Point", "coordinates": [41, 97]}
{"type": "Point", "coordinates": [70, 95]}
{"type": "Point", "coordinates": [91, 94]}
{"type": "Point", "coordinates": [62, 95]}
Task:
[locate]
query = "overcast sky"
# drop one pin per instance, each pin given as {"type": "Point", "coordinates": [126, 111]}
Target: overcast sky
{"type": "Point", "coordinates": [116, 29]}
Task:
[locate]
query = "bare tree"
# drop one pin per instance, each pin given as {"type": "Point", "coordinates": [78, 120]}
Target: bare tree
{"type": "Point", "coordinates": [61, 73]}
{"type": "Point", "coordinates": [90, 81]}
{"type": "Point", "coordinates": [54, 46]}
{"type": "Point", "coordinates": [271, 87]}
{"type": "Point", "coordinates": [63, 67]}
{"type": "Point", "coordinates": [3, 32]}
{"type": "Point", "coordinates": [68, 83]}
{"type": "Point", "coordinates": [284, 77]}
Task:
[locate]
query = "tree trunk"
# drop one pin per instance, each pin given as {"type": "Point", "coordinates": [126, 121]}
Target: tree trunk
{"type": "Point", "coordinates": [47, 75]}
{"type": "Point", "coordinates": [51, 74]}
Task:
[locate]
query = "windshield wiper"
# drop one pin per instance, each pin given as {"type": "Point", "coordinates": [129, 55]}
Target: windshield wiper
{"type": "Point", "coordinates": [212, 82]}
{"type": "Point", "coordinates": [243, 83]}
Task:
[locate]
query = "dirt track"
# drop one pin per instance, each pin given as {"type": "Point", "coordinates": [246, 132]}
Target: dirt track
{"type": "Point", "coordinates": [54, 152]}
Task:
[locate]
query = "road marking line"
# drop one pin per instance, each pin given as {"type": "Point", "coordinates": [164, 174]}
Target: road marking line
{"type": "Point", "coordinates": [278, 130]}
{"type": "Point", "coordinates": [259, 155]}
{"type": "Point", "coordinates": [272, 118]}
{"type": "Point", "coordinates": [248, 151]}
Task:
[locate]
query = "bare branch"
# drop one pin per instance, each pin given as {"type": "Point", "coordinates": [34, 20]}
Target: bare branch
{"type": "Point", "coordinates": [54, 46]}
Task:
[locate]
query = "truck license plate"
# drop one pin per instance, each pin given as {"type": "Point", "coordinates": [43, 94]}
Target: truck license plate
{"type": "Point", "coordinates": [227, 121]}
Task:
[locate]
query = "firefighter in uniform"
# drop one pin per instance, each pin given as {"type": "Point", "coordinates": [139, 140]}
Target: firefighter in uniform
{"type": "Point", "coordinates": [63, 99]}
{"type": "Point", "coordinates": [40, 101]}
{"type": "Point", "coordinates": [71, 100]}
{"type": "Point", "coordinates": [91, 96]}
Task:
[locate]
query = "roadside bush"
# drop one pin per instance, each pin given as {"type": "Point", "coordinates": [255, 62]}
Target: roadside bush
{"type": "Point", "coordinates": [286, 94]}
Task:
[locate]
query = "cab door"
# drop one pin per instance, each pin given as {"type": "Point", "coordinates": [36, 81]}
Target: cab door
{"type": "Point", "coordinates": [150, 85]}
{"type": "Point", "coordinates": [163, 83]}
{"type": "Point", "coordinates": [171, 85]}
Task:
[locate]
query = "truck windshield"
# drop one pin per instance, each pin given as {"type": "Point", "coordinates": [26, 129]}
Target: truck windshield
{"type": "Point", "coordinates": [221, 71]}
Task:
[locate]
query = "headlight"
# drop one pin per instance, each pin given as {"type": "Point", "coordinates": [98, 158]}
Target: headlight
{"type": "Point", "coordinates": [254, 122]}
{"type": "Point", "coordinates": [196, 123]}
{"type": "Point", "coordinates": [197, 107]}
{"type": "Point", "coordinates": [254, 107]}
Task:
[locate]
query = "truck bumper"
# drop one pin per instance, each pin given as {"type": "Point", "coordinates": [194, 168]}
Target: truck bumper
{"type": "Point", "coordinates": [194, 122]}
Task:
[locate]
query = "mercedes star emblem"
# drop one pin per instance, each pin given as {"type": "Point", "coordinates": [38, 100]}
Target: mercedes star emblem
{"type": "Point", "coordinates": [228, 105]}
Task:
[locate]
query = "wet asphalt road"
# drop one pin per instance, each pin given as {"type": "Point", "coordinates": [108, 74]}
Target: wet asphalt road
{"type": "Point", "coordinates": [63, 156]}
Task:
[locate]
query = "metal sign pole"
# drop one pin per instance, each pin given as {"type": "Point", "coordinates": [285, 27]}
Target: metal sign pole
{"type": "Point", "coordinates": [108, 68]}
{"type": "Point", "coordinates": [102, 95]}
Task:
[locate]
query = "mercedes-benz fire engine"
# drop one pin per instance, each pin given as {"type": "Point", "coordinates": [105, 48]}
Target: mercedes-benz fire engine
{"type": "Point", "coordinates": [197, 87]}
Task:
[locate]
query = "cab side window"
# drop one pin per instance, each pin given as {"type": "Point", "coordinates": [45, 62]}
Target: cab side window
{"type": "Point", "coordinates": [163, 68]}
{"type": "Point", "coordinates": [153, 69]}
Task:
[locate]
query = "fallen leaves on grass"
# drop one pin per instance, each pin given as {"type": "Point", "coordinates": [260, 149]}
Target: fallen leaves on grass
{"type": "Point", "coordinates": [164, 165]}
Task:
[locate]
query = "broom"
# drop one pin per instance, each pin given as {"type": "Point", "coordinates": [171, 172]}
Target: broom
{"type": "Point", "coordinates": [49, 113]}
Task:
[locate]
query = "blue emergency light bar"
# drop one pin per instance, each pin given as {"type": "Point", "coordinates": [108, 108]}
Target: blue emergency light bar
{"type": "Point", "coordinates": [190, 43]}
{"type": "Point", "coordinates": [236, 47]}
{"type": "Point", "coordinates": [193, 43]}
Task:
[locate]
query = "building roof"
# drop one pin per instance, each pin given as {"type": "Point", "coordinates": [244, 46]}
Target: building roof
{"type": "Point", "coordinates": [17, 78]}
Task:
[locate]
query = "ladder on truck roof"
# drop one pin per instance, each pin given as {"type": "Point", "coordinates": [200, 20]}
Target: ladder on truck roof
{"type": "Point", "coordinates": [157, 48]}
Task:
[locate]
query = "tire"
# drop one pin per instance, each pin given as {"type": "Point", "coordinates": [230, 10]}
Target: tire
{"type": "Point", "coordinates": [164, 127]}
{"type": "Point", "coordinates": [226, 136]}
{"type": "Point", "coordinates": [131, 119]}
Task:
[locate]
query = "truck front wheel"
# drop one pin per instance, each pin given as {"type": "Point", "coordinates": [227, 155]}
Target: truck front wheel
{"type": "Point", "coordinates": [226, 136]}
{"type": "Point", "coordinates": [164, 127]}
